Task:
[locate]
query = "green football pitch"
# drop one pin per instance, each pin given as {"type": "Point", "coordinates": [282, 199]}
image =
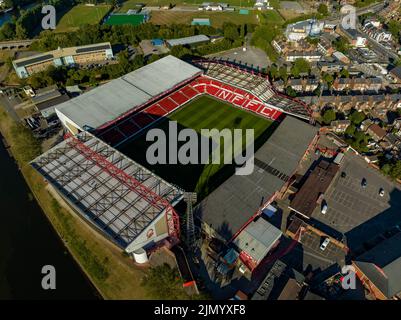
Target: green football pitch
{"type": "Point", "coordinates": [203, 113]}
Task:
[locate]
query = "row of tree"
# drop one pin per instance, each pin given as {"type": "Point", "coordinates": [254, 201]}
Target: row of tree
{"type": "Point", "coordinates": [29, 21]}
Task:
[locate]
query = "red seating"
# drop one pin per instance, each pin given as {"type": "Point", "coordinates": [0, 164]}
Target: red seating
{"type": "Point", "coordinates": [189, 92]}
{"type": "Point", "coordinates": [163, 107]}
{"type": "Point", "coordinates": [156, 110]}
{"type": "Point", "coordinates": [179, 98]}
{"type": "Point", "coordinates": [168, 104]}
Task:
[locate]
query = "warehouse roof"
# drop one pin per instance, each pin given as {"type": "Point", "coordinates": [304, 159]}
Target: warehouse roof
{"type": "Point", "coordinates": [116, 98]}
{"type": "Point", "coordinates": [382, 265]}
{"type": "Point", "coordinates": [318, 182]}
{"type": "Point", "coordinates": [188, 40]}
{"type": "Point", "coordinates": [235, 201]}
{"type": "Point", "coordinates": [93, 178]}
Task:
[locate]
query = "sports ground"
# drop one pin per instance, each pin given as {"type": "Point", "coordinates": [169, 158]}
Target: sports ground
{"type": "Point", "coordinates": [202, 113]}
{"type": "Point", "coordinates": [80, 15]}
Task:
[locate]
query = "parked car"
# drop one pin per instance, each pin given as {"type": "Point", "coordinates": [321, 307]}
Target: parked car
{"type": "Point", "coordinates": [381, 192]}
{"type": "Point", "coordinates": [364, 183]}
{"type": "Point", "coordinates": [325, 243]}
{"type": "Point", "coordinates": [343, 174]}
{"type": "Point", "coordinates": [324, 208]}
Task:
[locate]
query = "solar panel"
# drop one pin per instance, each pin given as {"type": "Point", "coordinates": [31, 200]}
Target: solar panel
{"type": "Point", "coordinates": [34, 60]}
{"type": "Point", "coordinates": [94, 48]}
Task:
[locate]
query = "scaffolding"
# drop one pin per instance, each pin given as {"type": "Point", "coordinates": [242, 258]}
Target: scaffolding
{"type": "Point", "coordinates": [115, 194]}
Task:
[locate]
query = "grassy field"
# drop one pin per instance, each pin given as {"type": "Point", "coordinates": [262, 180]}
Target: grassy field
{"type": "Point", "coordinates": [202, 113]}
{"type": "Point", "coordinates": [80, 15]}
{"type": "Point", "coordinates": [271, 17]}
{"type": "Point", "coordinates": [216, 18]}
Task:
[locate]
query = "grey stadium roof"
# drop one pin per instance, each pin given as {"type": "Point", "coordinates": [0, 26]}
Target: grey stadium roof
{"type": "Point", "coordinates": [114, 99]}
{"type": "Point", "coordinates": [235, 201]}
{"type": "Point", "coordinates": [102, 198]}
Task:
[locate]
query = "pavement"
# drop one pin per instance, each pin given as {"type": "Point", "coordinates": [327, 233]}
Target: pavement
{"type": "Point", "coordinates": [252, 56]}
{"type": "Point", "coordinates": [360, 214]}
{"type": "Point", "coordinates": [8, 105]}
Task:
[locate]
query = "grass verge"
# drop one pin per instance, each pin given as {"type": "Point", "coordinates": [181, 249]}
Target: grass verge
{"type": "Point", "coordinates": [113, 274]}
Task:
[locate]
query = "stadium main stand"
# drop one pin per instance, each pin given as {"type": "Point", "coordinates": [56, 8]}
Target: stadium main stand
{"type": "Point", "coordinates": [135, 123]}
{"type": "Point", "coordinates": [152, 92]}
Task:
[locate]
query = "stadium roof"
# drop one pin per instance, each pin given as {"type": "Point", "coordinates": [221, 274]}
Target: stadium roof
{"type": "Point", "coordinates": [257, 238]}
{"type": "Point", "coordinates": [187, 40]}
{"type": "Point", "coordinates": [382, 265]}
{"type": "Point", "coordinates": [235, 201]}
{"type": "Point", "coordinates": [110, 101]}
{"type": "Point", "coordinates": [92, 177]}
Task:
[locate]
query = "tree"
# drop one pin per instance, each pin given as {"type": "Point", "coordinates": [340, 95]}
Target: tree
{"type": "Point", "coordinates": [341, 44]}
{"type": "Point", "coordinates": [344, 73]}
{"type": "Point", "coordinates": [386, 169]}
{"type": "Point", "coordinates": [290, 92]}
{"type": "Point", "coordinates": [357, 117]}
{"type": "Point", "coordinates": [395, 171]}
{"type": "Point", "coordinates": [329, 79]}
{"type": "Point", "coordinates": [300, 66]}
{"type": "Point", "coordinates": [329, 116]}
{"type": "Point", "coordinates": [322, 9]}
{"type": "Point", "coordinates": [350, 131]}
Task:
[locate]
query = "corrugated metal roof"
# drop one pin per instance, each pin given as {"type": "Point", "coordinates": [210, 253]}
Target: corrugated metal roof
{"type": "Point", "coordinates": [188, 40]}
{"type": "Point", "coordinates": [107, 102]}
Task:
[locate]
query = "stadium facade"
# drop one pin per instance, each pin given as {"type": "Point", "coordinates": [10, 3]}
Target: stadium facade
{"type": "Point", "coordinates": [132, 206]}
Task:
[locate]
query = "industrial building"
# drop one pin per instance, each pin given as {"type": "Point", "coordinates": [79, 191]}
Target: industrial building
{"type": "Point", "coordinates": [188, 41]}
{"type": "Point", "coordinates": [120, 198]}
{"type": "Point", "coordinates": [314, 188]}
{"type": "Point", "coordinates": [238, 200]}
{"type": "Point", "coordinates": [63, 57]}
{"type": "Point", "coordinates": [379, 269]}
{"type": "Point", "coordinates": [303, 29]}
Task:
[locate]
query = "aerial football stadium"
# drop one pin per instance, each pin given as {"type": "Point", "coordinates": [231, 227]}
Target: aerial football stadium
{"type": "Point", "coordinates": [100, 169]}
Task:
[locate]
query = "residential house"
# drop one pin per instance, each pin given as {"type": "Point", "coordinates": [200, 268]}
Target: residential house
{"type": "Point", "coordinates": [376, 132]}
{"type": "Point", "coordinates": [339, 126]}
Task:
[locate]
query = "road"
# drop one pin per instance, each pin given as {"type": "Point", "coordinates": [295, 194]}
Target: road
{"type": "Point", "coordinates": [5, 102]}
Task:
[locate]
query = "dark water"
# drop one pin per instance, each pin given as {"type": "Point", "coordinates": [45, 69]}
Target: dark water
{"type": "Point", "coordinates": [8, 16]}
{"type": "Point", "coordinates": [28, 242]}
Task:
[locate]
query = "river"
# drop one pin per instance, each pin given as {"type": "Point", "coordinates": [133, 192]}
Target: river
{"type": "Point", "coordinates": [8, 16]}
{"type": "Point", "coordinates": [28, 242]}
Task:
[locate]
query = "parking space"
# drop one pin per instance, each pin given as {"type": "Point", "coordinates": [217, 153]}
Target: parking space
{"type": "Point", "coordinates": [360, 213]}
{"type": "Point", "coordinates": [252, 56]}
{"type": "Point", "coordinates": [312, 242]}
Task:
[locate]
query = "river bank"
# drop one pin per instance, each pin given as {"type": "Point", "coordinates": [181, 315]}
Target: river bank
{"type": "Point", "coordinates": [113, 274]}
